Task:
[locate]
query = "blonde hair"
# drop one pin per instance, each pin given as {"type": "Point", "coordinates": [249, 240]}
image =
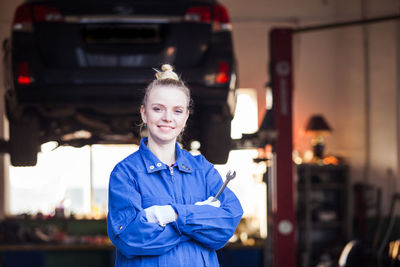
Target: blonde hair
{"type": "Point", "coordinates": [167, 72]}
{"type": "Point", "coordinates": [166, 77]}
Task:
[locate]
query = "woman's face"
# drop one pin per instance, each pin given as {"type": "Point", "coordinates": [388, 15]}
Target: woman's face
{"type": "Point", "coordinates": [165, 113]}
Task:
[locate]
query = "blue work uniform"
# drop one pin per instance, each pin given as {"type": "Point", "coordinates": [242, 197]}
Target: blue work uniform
{"type": "Point", "coordinates": [140, 181]}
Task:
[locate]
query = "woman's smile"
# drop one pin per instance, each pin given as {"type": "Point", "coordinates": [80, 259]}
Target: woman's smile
{"type": "Point", "coordinates": [166, 127]}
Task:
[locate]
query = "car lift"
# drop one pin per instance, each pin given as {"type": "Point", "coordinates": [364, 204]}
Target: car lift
{"type": "Point", "coordinates": [280, 249]}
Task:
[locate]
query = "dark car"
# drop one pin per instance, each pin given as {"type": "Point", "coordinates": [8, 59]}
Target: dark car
{"type": "Point", "coordinates": [76, 71]}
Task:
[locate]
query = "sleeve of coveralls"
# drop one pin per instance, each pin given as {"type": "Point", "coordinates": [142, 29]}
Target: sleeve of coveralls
{"type": "Point", "coordinates": [210, 226]}
{"type": "Point", "coordinates": [127, 225]}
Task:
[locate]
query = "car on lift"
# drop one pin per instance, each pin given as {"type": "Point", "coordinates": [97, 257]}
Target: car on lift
{"type": "Point", "coordinates": [75, 71]}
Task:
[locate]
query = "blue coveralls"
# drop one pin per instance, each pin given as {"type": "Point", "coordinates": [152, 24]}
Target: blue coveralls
{"type": "Point", "coordinates": [140, 181]}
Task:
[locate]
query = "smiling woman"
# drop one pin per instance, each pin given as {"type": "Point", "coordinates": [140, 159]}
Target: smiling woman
{"type": "Point", "coordinates": [165, 110]}
{"type": "Point", "coordinates": [162, 210]}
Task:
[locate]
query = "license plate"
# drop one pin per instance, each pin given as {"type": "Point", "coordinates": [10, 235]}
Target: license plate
{"type": "Point", "coordinates": [122, 34]}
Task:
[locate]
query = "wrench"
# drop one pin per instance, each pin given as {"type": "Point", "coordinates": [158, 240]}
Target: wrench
{"type": "Point", "coordinates": [229, 176]}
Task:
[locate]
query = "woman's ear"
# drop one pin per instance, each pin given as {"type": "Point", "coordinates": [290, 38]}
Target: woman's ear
{"type": "Point", "coordinates": [143, 113]}
{"type": "Point", "coordinates": [187, 116]}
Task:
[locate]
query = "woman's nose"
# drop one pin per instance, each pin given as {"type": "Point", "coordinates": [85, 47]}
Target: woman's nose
{"type": "Point", "coordinates": [167, 116]}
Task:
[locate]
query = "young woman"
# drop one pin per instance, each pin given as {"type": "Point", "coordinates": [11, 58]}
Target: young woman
{"type": "Point", "coordinates": [161, 211]}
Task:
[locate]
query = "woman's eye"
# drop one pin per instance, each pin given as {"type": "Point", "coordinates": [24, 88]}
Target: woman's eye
{"type": "Point", "coordinates": [156, 108]}
{"type": "Point", "coordinates": [179, 111]}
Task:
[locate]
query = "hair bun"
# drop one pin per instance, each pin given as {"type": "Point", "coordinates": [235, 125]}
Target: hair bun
{"type": "Point", "coordinates": [167, 67]}
{"type": "Point", "coordinates": [166, 73]}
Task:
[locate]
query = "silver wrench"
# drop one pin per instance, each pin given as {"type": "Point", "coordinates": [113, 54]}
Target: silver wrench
{"type": "Point", "coordinates": [229, 176]}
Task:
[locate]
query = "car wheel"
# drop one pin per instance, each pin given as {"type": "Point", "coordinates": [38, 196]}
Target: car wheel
{"type": "Point", "coordinates": [216, 139]}
{"type": "Point", "coordinates": [24, 142]}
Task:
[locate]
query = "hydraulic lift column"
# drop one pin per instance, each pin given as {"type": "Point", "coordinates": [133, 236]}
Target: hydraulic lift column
{"type": "Point", "coordinates": [281, 188]}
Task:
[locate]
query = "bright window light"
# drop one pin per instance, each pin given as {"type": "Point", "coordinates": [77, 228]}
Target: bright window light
{"type": "Point", "coordinates": [245, 119]}
{"type": "Point", "coordinates": [268, 98]}
{"type": "Point", "coordinates": [73, 178]}
{"type": "Point", "coordinates": [248, 184]}
{"type": "Point", "coordinates": [249, 188]}
{"type": "Point", "coordinates": [60, 176]}
{"type": "Point", "coordinates": [104, 158]}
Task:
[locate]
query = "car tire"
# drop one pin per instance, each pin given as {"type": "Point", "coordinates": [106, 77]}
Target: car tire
{"type": "Point", "coordinates": [216, 139]}
{"type": "Point", "coordinates": [24, 142]}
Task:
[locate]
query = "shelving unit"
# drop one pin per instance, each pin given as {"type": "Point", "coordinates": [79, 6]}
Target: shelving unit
{"type": "Point", "coordinates": [323, 212]}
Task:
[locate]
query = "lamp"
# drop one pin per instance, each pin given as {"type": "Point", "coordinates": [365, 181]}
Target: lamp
{"type": "Point", "coordinates": [317, 127]}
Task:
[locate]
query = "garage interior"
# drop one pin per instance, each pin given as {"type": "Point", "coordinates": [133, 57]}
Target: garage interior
{"type": "Point", "coordinates": [348, 75]}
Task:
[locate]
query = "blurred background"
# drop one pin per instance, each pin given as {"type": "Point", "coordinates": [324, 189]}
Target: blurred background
{"type": "Point", "coordinates": [345, 169]}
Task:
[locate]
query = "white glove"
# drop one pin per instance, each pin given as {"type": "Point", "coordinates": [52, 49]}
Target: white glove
{"type": "Point", "coordinates": [209, 201]}
{"type": "Point", "coordinates": [161, 214]}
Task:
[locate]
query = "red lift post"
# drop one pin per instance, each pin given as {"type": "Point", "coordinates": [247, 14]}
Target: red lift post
{"type": "Point", "coordinates": [281, 188]}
